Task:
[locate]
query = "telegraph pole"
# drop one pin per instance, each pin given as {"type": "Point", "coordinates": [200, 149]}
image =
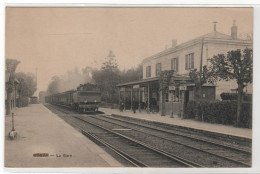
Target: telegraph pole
{"type": "Point", "coordinates": [36, 71]}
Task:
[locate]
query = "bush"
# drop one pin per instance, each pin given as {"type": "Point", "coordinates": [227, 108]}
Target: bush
{"type": "Point", "coordinates": [228, 96]}
{"type": "Point", "coordinates": [221, 112]}
{"type": "Point", "coordinates": [22, 101]}
{"type": "Point", "coordinates": [246, 116]}
{"type": "Point", "coordinates": [190, 111]}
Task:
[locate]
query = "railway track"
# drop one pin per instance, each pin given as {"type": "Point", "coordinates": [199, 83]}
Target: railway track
{"type": "Point", "coordinates": [206, 154]}
{"type": "Point", "coordinates": [225, 151]}
{"type": "Point", "coordinates": [211, 154]}
{"type": "Point", "coordinates": [135, 152]}
{"type": "Point", "coordinates": [217, 138]}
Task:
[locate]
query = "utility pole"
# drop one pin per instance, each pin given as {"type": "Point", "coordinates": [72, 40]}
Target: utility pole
{"type": "Point", "coordinates": [36, 71]}
{"type": "Point", "coordinates": [201, 59]}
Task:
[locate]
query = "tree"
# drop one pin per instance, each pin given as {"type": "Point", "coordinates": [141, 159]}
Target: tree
{"type": "Point", "coordinates": [11, 65]}
{"type": "Point", "coordinates": [132, 74]}
{"type": "Point", "coordinates": [200, 78]}
{"type": "Point", "coordinates": [27, 85]}
{"type": "Point", "coordinates": [108, 77]}
{"type": "Point", "coordinates": [235, 66]}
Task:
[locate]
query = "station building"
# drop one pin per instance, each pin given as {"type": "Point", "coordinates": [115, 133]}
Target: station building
{"type": "Point", "coordinates": [182, 58]}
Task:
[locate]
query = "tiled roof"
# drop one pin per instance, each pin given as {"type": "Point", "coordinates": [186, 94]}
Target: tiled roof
{"type": "Point", "coordinates": [216, 35]}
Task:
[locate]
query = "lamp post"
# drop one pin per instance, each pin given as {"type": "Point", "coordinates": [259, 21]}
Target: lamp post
{"type": "Point", "coordinates": [172, 89]}
{"type": "Point", "coordinates": [13, 122]}
{"type": "Point", "coordinates": [172, 105]}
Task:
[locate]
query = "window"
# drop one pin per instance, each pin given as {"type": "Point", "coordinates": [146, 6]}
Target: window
{"type": "Point", "coordinates": [158, 69]}
{"type": "Point", "coordinates": [148, 71]}
{"type": "Point", "coordinates": [175, 64]}
{"type": "Point", "coordinates": [189, 61]}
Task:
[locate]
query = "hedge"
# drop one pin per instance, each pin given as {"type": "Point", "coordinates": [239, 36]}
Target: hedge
{"type": "Point", "coordinates": [221, 112]}
{"type": "Point", "coordinates": [22, 101]}
{"type": "Point", "coordinates": [228, 96]}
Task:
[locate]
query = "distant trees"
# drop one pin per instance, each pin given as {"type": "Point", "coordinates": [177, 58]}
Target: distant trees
{"type": "Point", "coordinates": [236, 66]}
{"type": "Point", "coordinates": [132, 74]}
{"type": "Point", "coordinates": [107, 78]}
{"type": "Point", "coordinates": [26, 88]}
{"type": "Point", "coordinates": [27, 84]}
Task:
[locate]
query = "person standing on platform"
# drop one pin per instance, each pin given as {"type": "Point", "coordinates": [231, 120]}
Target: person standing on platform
{"type": "Point", "coordinates": [134, 105]}
{"type": "Point", "coordinates": [121, 107]}
{"type": "Point", "coordinates": [154, 105]}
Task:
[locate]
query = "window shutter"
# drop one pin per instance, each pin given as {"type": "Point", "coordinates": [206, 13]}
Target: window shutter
{"type": "Point", "coordinates": [192, 61]}
{"type": "Point", "coordinates": [177, 64]}
{"type": "Point", "coordinates": [156, 69]}
{"type": "Point", "coordinates": [186, 62]}
{"type": "Point", "coordinates": [172, 64]}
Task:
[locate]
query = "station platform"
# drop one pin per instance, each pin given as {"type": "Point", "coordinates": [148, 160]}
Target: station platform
{"type": "Point", "coordinates": [40, 132]}
{"type": "Point", "coordinates": [190, 123]}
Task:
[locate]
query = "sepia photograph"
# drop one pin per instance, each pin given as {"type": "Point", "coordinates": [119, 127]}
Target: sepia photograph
{"type": "Point", "coordinates": [128, 87]}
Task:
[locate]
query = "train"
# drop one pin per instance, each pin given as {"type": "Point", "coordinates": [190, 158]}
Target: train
{"type": "Point", "coordinates": [33, 100]}
{"type": "Point", "coordinates": [85, 98]}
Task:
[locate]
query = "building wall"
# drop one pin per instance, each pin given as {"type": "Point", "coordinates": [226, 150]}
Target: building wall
{"type": "Point", "coordinates": [211, 47]}
{"type": "Point", "coordinates": [166, 60]}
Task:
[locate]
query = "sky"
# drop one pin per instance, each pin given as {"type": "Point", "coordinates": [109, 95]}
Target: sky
{"type": "Point", "coordinates": [56, 40]}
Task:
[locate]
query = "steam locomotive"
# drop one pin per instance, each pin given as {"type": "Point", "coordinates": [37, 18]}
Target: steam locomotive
{"type": "Point", "coordinates": [85, 98]}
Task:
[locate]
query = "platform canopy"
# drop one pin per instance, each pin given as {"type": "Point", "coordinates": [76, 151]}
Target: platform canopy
{"type": "Point", "coordinates": [143, 82]}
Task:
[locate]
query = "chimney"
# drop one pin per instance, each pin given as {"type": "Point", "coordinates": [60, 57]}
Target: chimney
{"type": "Point", "coordinates": [174, 43]}
{"type": "Point", "coordinates": [234, 30]}
{"type": "Point", "coordinates": [215, 26]}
